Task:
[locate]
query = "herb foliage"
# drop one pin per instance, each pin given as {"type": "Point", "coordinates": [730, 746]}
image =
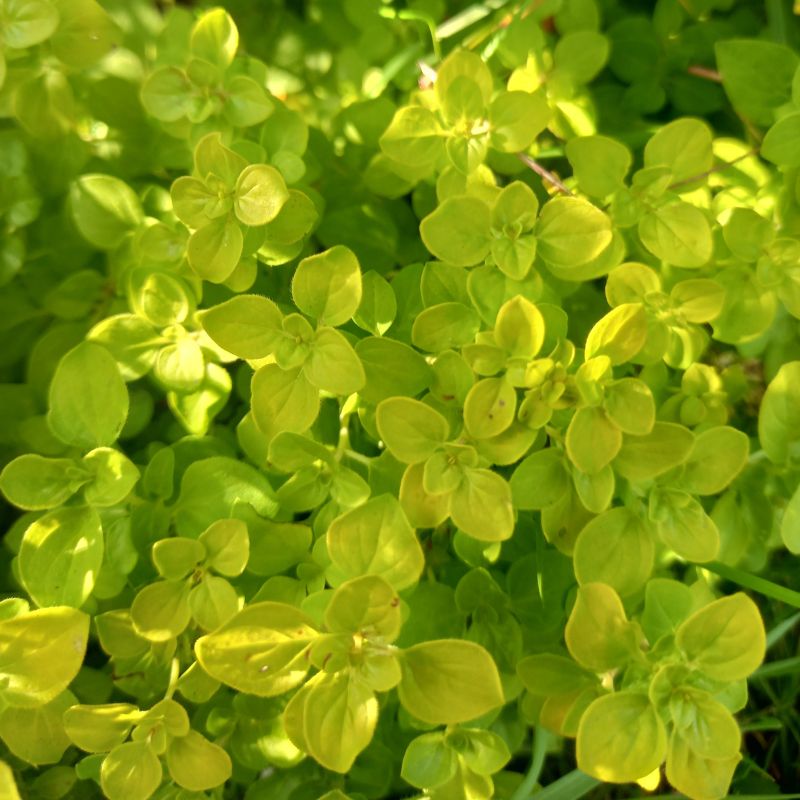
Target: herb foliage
{"type": "Point", "coordinates": [393, 390]}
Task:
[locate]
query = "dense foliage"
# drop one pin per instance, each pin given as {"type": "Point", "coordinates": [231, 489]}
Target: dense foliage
{"type": "Point", "coordinates": [393, 393]}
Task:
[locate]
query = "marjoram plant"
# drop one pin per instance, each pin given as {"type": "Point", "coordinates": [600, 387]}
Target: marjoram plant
{"type": "Point", "coordinates": [394, 394]}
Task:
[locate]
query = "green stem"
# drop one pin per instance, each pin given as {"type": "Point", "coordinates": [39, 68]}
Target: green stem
{"type": "Point", "coordinates": [174, 674]}
{"type": "Point", "coordinates": [754, 582]}
{"type": "Point", "coordinates": [572, 786]}
{"type": "Point", "coordinates": [541, 739]}
{"type": "Point", "coordinates": [359, 457]}
{"type": "Point", "coordinates": [409, 15]}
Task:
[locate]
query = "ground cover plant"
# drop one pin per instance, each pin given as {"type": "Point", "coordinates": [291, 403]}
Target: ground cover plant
{"type": "Point", "coordinates": [399, 399]}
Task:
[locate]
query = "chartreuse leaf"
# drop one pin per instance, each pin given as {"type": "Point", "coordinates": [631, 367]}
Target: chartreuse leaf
{"type": "Point", "coordinates": [514, 216]}
{"type": "Point", "coordinates": [684, 146]}
{"type": "Point", "coordinates": [717, 457]}
{"type": "Point", "coordinates": [378, 307]}
{"type": "Point", "coordinates": [677, 233]}
{"type": "Point", "coordinates": [376, 539]}
{"type": "Point", "coordinates": [40, 653]}
{"type": "Point", "coordinates": [667, 604]}
{"type": "Point", "coordinates": [462, 64]}
{"type": "Point", "coordinates": [616, 549]}
{"type": "Point", "coordinates": [85, 33]}
{"type": "Point", "coordinates": [35, 483]}
{"type": "Point", "coordinates": [598, 634]}
{"type": "Point", "coordinates": [484, 752]}
{"type": "Point", "coordinates": [424, 510]}
{"type": "Point", "coordinates": [549, 675]}
{"type": "Point", "coordinates": [725, 639]}
{"type": "Point", "coordinates": [684, 526]}
{"type": "Point", "coordinates": [197, 764]}
{"type": "Point", "coordinates": [213, 158]}
{"type": "Point", "coordinates": [540, 480]}
{"type": "Point", "coordinates": [707, 726]}
{"type": "Point", "coordinates": [620, 334]}
{"type": "Point", "coordinates": [167, 94]}
{"type": "Point", "coordinates": [98, 729]}
{"type": "Point", "coordinates": [60, 556]}
{"type": "Point", "coordinates": [227, 546]}
{"type": "Point", "coordinates": [247, 102]}
{"type": "Point", "coordinates": [571, 232]}
{"type": "Point", "coordinates": [261, 650]}
{"type": "Point", "coordinates": [88, 399]}
{"type": "Point", "coordinates": [696, 776]}
{"type": "Point", "coordinates": [113, 477]}
{"type": "Point", "coordinates": [756, 75]}
{"type": "Point", "coordinates": [367, 606]}
{"type": "Point", "coordinates": [259, 195]}
{"type": "Point", "coordinates": [160, 611]}
{"type": "Point", "coordinates": [642, 458]}
{"type": "Point", "coordinates": [192, 200]}
{"type": "Point", "coordinates": [105, 209]}
{"type": "Point", "coordinates": [630, 405]}
{"type": "Point", "coordinates": [449, 681]}
{"type": "Point", "coordinates": [282, 400]}
{"type": "Point", "coordinates": [411, 430]}
{"type": "Point", "coordinates": [481, 506]}
{"type": "Point", "coordinates": [621, 738]}
{"type": "Point", "coordinates": [131, 771]}
{"type": "Point", "coordinates": [519, 328]}
{"type": "Point", "coordinates": [428, 762]}
{"type": "Point", "coordinates": [489, 408]}
{"type": "Point", "coordinates": [593, 440]}
{"type": "Point", "coordinates": [698, 300]}
{"type": "Point", "coordinates": [333, 365]}
{"type": "Point", "coordinates": [413, 137]}
{"type": "Point", "coordinates": [516, 119]}
{"type": "Point", "coordinates": [327, 286]}
{"type": "Point", "coordinates": [212, 602]}
{"type": "Point", "coordinates": [444, 326]}
{"type": "Point", "coordinates": [790, 524]}
{"type": "Point", "coordinates": [248, 325]}
{"type": "Point", "coordinates": [339, 718]}
{"type": "Point", "coordinates": [7, 784]}
{"type": "Point", "coordinates": [779, 414]}
{"type": "Point", "coordinates": [215, 38]}
{"type": "Point", "coordinates": [214, 250]}
{"type": "Point", "coordinates": [36, 735]}
{"type": "Point", "coordinates": [780, 143]}
{"type": "Point", "coordinates": [599, 163]}
{"type": "Point", "coordinates": [391, 368]}
{"type": "Point", "coordinates": [458, 231]}
{"type": "Point", "coordinates": [29, 23]}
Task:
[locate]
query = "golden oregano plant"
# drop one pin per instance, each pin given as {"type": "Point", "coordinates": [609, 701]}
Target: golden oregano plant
{"type": "Point", "coordinates": [386, 393]}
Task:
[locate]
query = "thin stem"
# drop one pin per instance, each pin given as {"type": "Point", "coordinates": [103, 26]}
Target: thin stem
{"type": "Point", "coordinates": [571, 786]}
{"type": "Point", "coordinates": [704, 72]}
{"type": "Point", "coordinates": [717, 168]}
{"type": "Point", "coordinates": [543, 173]}
{"type": "Point", "coordinates": [359, 457]}
{"type": "Point", "coordinates": [174, 674]}
{"type": "Point", "coordinates": [754, 582]}
{"type": "Point", "coordinates": [541, 740]}
{"type": "Point", "coordinates": [409, 15]}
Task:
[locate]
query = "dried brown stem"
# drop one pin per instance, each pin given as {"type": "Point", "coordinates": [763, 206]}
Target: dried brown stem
{"type": "Point", "coordinates": [543, 173]}
{"type": "Point", "coordinates": [705, 72]}
{"type": "Point", "coordinates": [717, 168]}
